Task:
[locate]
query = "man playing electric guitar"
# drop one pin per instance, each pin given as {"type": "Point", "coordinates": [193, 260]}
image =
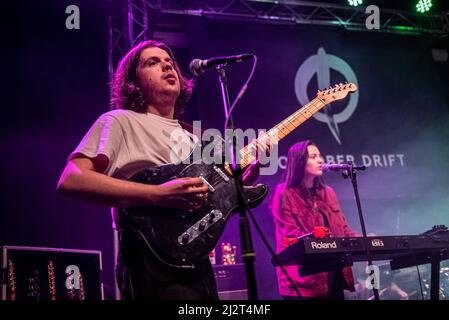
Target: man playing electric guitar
{"type": "Point", "coordinates": [149, 92]}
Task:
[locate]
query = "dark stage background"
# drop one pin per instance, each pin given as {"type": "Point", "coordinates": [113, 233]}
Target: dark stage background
{"type": "Point", "coordinates": [397, 124]}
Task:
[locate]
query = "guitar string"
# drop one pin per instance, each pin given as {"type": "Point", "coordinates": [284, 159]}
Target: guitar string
{"type": "Point", "coordinates": [215, 178]}
{"type": "Point", "coordinates": [311, 106]}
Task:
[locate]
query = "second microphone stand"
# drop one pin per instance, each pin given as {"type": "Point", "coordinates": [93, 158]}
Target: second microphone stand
{"type": "Point", "coordinates": [245, 234]}
{"type": "Point", "coordinates": [352, 173]}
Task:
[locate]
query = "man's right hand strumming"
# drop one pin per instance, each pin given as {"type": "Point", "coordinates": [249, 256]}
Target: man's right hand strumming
{"type": "Point", "coordinates": [185, 193]}
{"type": "Point", "coordinates": [81, 180]}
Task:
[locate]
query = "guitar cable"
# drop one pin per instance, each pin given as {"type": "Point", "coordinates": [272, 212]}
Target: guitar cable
{"type": "Point", "coordinates": [240, 190]}
{"type": "Point", "coordinates": [138, 233]}
{"type": "Point", "coordinates": [266, 243]}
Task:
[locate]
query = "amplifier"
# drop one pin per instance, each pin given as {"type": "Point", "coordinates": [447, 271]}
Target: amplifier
{"type": "Point", "coordinates": [231, 281]}
{"type": "Point", "coordinates": [39, 273]}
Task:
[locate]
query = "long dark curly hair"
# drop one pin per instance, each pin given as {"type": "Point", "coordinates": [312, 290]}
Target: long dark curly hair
{"type": "Point", "coordinates": [126, 93]}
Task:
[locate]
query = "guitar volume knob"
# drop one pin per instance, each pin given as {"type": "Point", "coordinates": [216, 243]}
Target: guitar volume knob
{"type": "Point", "coordinates": [185, 238]}
{"type": "Point", "coordinates": [202, 225]}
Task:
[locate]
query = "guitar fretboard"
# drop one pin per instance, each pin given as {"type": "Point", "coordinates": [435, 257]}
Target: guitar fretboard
{"type": "Point", "coordinates": [281, 130]}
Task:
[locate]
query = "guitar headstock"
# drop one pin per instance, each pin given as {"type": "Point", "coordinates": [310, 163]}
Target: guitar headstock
{"type": "Point", "coordinates": [336, 92]}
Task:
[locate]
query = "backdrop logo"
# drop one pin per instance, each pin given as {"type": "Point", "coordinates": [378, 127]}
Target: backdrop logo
{"type": "Point", "coordinates": [321, 65]}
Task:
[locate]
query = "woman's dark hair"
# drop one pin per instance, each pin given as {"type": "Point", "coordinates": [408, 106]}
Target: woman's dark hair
{"type": "Point", "coordinates": [126, 93]}
{"type": "Point", "coordinates": [294, 173]}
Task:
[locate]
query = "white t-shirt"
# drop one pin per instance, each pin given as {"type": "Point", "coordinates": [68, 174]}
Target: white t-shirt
{"type": "Point", "coordinates": [133, 141]}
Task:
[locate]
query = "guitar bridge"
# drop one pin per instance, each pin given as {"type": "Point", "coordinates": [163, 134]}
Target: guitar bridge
{"type": "Point", "coordinates": [199, 227]}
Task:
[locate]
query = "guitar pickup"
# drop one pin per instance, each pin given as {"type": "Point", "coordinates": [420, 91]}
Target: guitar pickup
{"type": "Point", "coordinates": [200, 226]}
{"type": "Point", "coordinates": [211, 189]}
{"type": "Point", "coordinates": [221, 173]}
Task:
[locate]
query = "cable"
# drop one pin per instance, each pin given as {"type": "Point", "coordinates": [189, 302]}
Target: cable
{"type": "Point", "coordinates": [265, 241]}
{"type": "Point", "coordinates": [420, 282]}
{"type": "Point", "coordinates": [241, 93]}
{"type": "Point", "coordinates": [240, 190]}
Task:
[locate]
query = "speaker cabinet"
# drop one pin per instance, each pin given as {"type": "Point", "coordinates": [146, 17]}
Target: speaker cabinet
{"type": "Point", "coordinates": [36, 273]}
{"type": "Point", "coordinates": [231, 281]}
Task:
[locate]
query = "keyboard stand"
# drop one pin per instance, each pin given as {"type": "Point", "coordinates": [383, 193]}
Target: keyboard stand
{"type": "Point", "coordinates": [432, 257]}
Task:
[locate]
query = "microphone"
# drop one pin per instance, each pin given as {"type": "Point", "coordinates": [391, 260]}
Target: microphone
{"type": "Point", "coordinates": [198, 67]}
{"type": "Point", "coordinates": [340, 166]}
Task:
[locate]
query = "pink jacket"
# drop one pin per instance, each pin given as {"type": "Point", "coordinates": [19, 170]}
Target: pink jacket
{"type": "Point", "coordinates": [293, 218]}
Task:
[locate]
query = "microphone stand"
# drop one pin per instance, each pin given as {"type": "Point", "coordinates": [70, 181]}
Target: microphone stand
{"type": "Point", "coordinates": [245, 234]}
{"type": "Point", "coordinates": [353, 175]}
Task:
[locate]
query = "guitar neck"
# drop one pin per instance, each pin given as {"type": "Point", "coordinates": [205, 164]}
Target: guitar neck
{"type": "Point", "coordinates": [281, 130]}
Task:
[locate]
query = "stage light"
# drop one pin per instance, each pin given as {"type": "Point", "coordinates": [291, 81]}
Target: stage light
{"type": "Point", "coordinates": [355, 3]}
{"type": "Point", "coordinates": [423, 6]}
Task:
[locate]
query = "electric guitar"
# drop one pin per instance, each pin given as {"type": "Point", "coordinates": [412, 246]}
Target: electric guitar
{"type": "Point", "coordinates": [179, 239]}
